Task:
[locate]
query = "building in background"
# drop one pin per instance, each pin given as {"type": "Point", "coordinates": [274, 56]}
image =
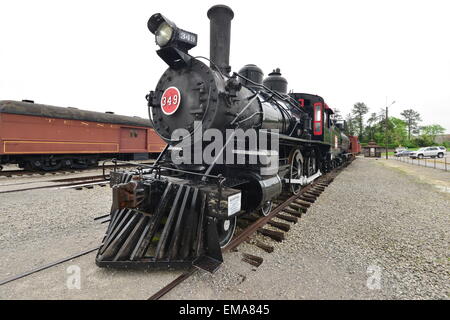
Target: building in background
{"type": "Point", "coordinates": [372, 150]}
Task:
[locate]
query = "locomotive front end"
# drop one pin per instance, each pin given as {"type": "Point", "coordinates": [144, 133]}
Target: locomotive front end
{"type": "Point", "coordinates": [180, 214]}
{"type": "Point", "coordinates": [222, 158]}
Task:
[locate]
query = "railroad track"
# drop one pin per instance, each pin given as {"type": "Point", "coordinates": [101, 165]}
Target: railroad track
{"type": "Point", "coordinates": [19, 173]}
{"type": "Point", "coordinates": [78, 183]}
{"type": "Point", "coordinates": [101, 219]}
{"type": "Point", "coordinates": [288, 208]}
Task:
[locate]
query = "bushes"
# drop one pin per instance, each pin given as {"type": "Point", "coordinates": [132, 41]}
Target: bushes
{"type": "Point", "coordinates": [423, 141]}
{"type": "Point", "coordinates": [411, 144]}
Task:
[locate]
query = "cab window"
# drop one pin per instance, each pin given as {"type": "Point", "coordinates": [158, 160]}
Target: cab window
{"type": "Point", "coordinates": [318, 109]}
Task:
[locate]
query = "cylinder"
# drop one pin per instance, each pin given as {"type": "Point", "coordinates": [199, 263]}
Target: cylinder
{"type": "Point", "coordinates": [220, 17]}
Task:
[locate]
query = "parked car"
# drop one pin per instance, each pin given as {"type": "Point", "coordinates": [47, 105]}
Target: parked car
{"type": "Point", "coordinates": [432, 152]}
{"type": "Point", "coordinates": [400, 149]}
{"type": "Point", "coordinates": [403, 153]}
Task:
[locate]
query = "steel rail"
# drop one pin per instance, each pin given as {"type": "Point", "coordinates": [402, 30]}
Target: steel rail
{"type": "Point", "coordinates": [46, 266]}
{"type": "Point", "coordinates": [57, 186]}
{"type": "Point", "coordinates": [10, 173]}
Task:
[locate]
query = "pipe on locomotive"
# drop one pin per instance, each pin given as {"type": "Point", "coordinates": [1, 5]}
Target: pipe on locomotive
{"type": "Point", "coordinates": [220, 17]}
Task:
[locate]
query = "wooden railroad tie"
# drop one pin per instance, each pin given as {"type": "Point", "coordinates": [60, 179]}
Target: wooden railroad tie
{"type": "Point", "coordinates": [265, 247]}
{"type": "Point", "coordinates": [280, 225]}
{"type": "Point", "coordinates": [302, 203]}
{"type": "Point", "coordinates": [251, 259]}
{"type": "Point", "coordinates": [312, 194]}
{"type": "Point", "coordinates": [275, 235]}
{"type": "Point", "coordinates": [293, 212]}
{"type": "Point", "coordinates": [286, 218]}
{"type": "Point", "coordinates": [297, 207]}
{"type": "Point", "coordinates": [307, 199]}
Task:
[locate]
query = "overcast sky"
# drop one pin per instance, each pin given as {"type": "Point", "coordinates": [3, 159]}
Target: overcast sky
{"type": "Point", "coordinates": [99, 55]}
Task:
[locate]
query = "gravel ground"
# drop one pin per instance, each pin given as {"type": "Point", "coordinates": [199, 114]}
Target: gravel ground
{"type": "Point", "coordinates": [374, 216]}
{"type": "Point", "coordinates": [39, 227]}
{"type": "Point", "coordinates": [372, 223]}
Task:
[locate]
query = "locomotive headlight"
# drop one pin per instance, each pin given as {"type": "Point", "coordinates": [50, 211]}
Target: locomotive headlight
{"type": "Point", "coordinates": [173, 41]}
{"type": "Point", "coordinates": [168, 34]}
{"type": "Point", "coordinates": [163, 34]}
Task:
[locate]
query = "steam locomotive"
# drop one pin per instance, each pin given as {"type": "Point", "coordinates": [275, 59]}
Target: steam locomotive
{"type": "Point", "coordinates": [235, 141]}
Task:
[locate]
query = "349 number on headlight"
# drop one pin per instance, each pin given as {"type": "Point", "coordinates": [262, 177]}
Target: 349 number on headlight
{"type": "Point", "coordinates": [170, 100]}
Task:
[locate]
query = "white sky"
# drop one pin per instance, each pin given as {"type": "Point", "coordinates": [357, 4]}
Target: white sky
{"type": "Point", "coordinates": [99, 55]}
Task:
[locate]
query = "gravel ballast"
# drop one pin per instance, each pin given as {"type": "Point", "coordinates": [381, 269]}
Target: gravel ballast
{"type": "Point", "coordinates": [43, 226]}
{"type": "Point", "coordinates": [373, 222]}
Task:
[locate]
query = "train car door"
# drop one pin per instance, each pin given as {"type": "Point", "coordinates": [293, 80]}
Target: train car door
{"type": "Point", "coordinates": [133, 139]}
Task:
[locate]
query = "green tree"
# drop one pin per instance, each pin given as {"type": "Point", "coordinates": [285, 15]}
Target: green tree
{"type": "Point", "coordinates": [371, 123]}
{"type": "Point", "coordinates": [351, 129]}
{"type": "Point", "coordinates": [397, 131]}
{"type": "Point", "coordinates": [359, 111]}
{"type": "Point", "coordinates": [412, 119]}
{"type": "Point", "coordinates": [430, 132]}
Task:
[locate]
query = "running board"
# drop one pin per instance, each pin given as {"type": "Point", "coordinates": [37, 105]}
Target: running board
{"type": "Point", "coordinates": [304, 180]}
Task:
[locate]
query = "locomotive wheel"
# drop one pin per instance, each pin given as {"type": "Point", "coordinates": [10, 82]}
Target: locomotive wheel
{"type": "Point", "coordinates": [267, 207]}
{"type": "Point", "coordinates": [225, 230]}
{"type": "Point", "coordinates": [296, 170]}
{"type": "Point", "coordinates": [312, 164]}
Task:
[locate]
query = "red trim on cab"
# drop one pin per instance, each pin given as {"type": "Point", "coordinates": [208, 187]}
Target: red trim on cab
{"type": "Point", "coordinates": [301, 102]}
{"type": "Point", "coordinates": [319, 129]}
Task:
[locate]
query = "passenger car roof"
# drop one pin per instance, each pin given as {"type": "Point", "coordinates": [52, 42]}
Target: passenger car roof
{"type": "Point", "coordinates": [42, 110]}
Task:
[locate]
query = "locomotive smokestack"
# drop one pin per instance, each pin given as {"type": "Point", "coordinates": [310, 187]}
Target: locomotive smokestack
{"type": "Point", "coordinates": [220, 27]}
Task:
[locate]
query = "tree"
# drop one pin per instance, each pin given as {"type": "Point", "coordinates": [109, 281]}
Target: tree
{"type": "Point", "coordinates": [397, 131]}
{"type": "Point", "coordinates": [359, 110]}
{"type": "Point", "coordinates": [412, 119]}
{"type": "Point", "coordinates": [372, 121]}
{"type": "Point", "coordinates": [350, 124]}
{"type": "Point", "coordinates": [430, 132]}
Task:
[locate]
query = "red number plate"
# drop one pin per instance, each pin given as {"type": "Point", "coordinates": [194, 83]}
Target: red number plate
{"type": "Point", "coordinates": [170, 100]}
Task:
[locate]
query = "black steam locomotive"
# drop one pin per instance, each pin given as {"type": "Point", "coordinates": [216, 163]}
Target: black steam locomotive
{"type": "Point", "coordinates": [235, 142]}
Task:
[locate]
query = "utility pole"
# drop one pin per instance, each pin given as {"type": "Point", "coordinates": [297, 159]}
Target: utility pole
{"type": "Point", "coordinates": [386, 131]}
{"type": "Point", "coordinates": [386, 128]}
